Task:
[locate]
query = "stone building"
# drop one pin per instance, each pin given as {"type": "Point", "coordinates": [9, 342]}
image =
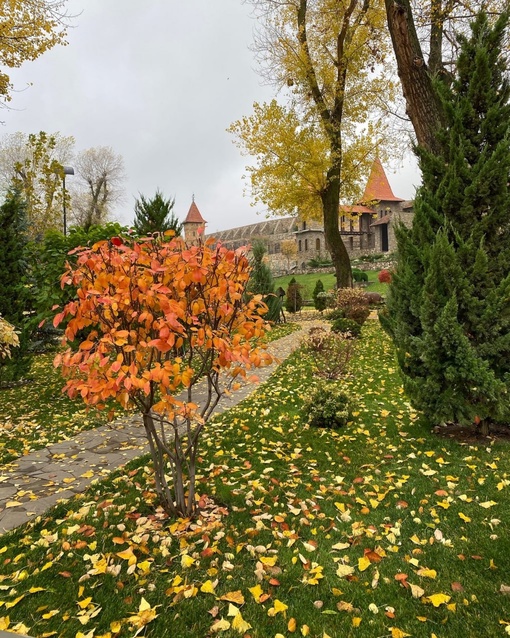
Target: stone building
{"type": "Point", "coordinates": [366, 227]}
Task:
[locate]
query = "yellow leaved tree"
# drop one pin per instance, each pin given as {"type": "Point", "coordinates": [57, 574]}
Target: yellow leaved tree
{"type": "Point", "coordinates": [312, 151]}
{"type": "Point", "coordinates": [28, 28]}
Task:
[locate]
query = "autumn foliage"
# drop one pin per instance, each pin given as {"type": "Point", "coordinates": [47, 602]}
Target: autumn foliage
{"type": "Point", "coordinates": [153, 319]}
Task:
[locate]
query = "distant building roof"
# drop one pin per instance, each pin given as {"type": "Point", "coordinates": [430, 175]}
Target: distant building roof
{"type": "Point", "coordinates": [355, 208]}
{"type": "Point", "coordinates": [194, 216]}
{"type": "Point", "coordinates": [378, 188]}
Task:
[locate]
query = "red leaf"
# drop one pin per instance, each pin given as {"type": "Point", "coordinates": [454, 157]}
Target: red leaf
{"type": "Point", "coordinates": [65, 574]}
{"type": "Point", "coordinates": [457, 587]}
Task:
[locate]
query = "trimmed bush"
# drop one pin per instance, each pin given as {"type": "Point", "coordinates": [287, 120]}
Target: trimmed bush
{"type": "Point", "coordinates": [354, 304]}
{"type": "Point", "coordinates": [293, 299]}
{"type": "Point", "coordinates": [335, 314]}
{"type": "Point", "coordinates": [359, 275]}
{"type": "Point", "coordinates": [327, 406]}
{"type": "Point", "coordinates": [319, 301]}
{"type": "Point", "coordinates": [384, 276]}
{"type": "Point", "coordinates": [346, 326]}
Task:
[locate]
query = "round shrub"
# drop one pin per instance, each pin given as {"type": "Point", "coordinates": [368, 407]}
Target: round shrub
{"type": "Point", "coordinates": [384, 276]}
{"type": "Point", "coordinates": [327, 406]}
{"type": "Point", "coordinates": [354, 304]}
{"type": "Point", "coordinates": [359, 275]}
{"type": "Point", "coordinates": [335, 314]}
{"type": "Point", "coordinates": [346, 326]}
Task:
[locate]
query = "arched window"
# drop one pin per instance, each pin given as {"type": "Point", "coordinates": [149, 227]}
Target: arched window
{"type": "Point", "coordinates": [300, 246]}
{"type": "Point", "coordinates": [318, 245]}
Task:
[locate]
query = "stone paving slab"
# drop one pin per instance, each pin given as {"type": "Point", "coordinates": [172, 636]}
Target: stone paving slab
{"type": "Point", "coordinates": [33, 483]}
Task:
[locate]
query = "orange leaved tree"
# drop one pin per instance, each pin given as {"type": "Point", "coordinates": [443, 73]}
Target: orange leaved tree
{"type": "Point", "coordinates": [161, 318]}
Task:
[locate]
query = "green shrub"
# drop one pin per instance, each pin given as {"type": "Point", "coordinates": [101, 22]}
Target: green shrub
{"type": "Point", "coordinates": [327, 406]}
{"type": "Point", "coordinates": [293, 299]}
{"type": "Point", "coordinates": [336, 313]}
{"type": "Point", "coordinates": [359, 275]}
{"type": "Point", "coordinates": [346, 326]}
{"type": "Point", "coordinates": [319, 301]}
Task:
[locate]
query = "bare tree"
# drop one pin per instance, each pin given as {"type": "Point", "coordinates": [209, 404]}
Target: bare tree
{"type": "Point", "coordinates": [100, 176]}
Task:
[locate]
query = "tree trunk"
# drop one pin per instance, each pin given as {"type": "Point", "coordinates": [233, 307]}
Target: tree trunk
{"type": "Point", "coordinates": [422, 103]}
{"type": "Point", "coordinates": [330, 207]}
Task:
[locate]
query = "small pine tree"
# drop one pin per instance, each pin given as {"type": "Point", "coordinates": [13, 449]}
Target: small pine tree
{"type": "Point", "coordinates": [261, 279]}
{"type": "Point", "coordinates": [448, 308]}
{"type": "Point", "coordinates": [155, 216]}
{"type": "Point", "coordinates": [293, 299]}
{"type": "Point", "coordinates": [319, 302]}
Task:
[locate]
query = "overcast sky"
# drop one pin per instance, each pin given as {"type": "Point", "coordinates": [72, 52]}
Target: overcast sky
{"type": "Point", "coordinates": [159, 81]}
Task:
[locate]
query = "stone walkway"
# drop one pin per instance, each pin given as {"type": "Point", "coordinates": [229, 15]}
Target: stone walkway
{"type": "Point", "coordinates": [37, 481]}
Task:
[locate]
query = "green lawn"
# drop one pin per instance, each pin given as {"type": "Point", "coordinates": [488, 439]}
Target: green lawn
{"type": "Point", "coordinates": [309, 280]}
{"type": "Point", "coordinates": [379, 529]}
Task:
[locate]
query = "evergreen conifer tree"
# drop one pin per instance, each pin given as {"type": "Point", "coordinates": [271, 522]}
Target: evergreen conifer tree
{"type": "Point", "coordinates": [319, 302]}
{"type": "Point", "coordinates": [155, 215]}
{"type": "Point", "coordinates": [261, 279]}
{"type": "Point", "coordinates": [293, 299]}
{"type": "Point", "coordinates": [448, 308]}
{"type": "Point", "coordinates": [14, 302]}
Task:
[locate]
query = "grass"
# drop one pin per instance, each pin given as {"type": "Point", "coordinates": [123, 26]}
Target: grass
{"type": "Point", "coordinates": [379, 529]}
{"type": "Point", "coordinates": [309, 280]}
{"type": "Point", "coordinates": [37, 414]}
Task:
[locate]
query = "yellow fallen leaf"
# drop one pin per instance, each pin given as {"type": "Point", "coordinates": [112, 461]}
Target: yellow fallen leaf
{"type": "Point", "coordinates": [256, 592]}
{"type": "Point", "coordinates": [13, 504]}
{"type": "Point", "coordinates": [427, 573]}
{"type": "Point", "coordinates": [277, 608]}
{"type": "Point", "coordinates": [234, 597]}
{"type": "Point", "coordinates": [232, 610]}
{"type": "Point", "coordinates": [341, 546]}
{"type": "Point", "coordinates": [488, 504]}
{"type": "Point", "coordinates": [270, 561]}
{"type": "Point", "coordinates": [416, 591]}
{"type": "Point", "coordinates": [83, 604]}
{"type": "Point", "coordinates": [465, 518]}
{"type": "Point", "coordinates": [305, 630]}
{"type": "Point", "coordinates": [50, 614]}
{"type": "Point", "coordinates": [88, 474]}
{"type": "Point", "coordinates": [207, 587]}
{"type": "Point", "coordinates": [115, 626]}
{"type": "Point", "coordinates": [239, 624]}
{"type": "Point", "coordinates": [398, 633]}
{"type": "Point", "coordinates": [4, 623]}
{"type": "Point", "coordinates": [34, 590]}
{"type": "Point", "coordinates": [220, 625]}
{"type": "Point", "coordinates": [438, 599]}
{"type": "Point", "coordinates": [344, 570]}
{"type": "Point", "coordinates": [14, 602]}
{"type": "Point", "coordinates": [356, 621]}
{"type": "Point", "coordinates": [291, 625]}
{"type": "Point", "coordinates": [186, 561]}
{"type": "Point", "coordinates": [363, 563]}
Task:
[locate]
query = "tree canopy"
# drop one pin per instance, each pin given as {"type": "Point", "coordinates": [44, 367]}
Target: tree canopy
{"type": "Point", "coordinates": [28, 28]}
{"type": "Point", "coordinates": [312, 147]}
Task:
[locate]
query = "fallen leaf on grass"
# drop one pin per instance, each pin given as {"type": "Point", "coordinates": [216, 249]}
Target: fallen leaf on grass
{"type": "Point", "coordinates": [437, 599]}
{"type": "Point", "coordinates": [234, 597]}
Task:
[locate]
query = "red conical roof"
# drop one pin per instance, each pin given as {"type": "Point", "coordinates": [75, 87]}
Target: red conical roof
{"type": "Point", "coordinates": [194, 215]}
{"type": "Point", "coordinates": [378, 188]}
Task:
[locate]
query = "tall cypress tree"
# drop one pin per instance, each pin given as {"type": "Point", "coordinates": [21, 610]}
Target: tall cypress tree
{"type": "Point", "coordinates": [14, 300]}
{"type": "Point", "coordinates": [155, 215]}
{"type": "Point", "coordinates": [448, 308]}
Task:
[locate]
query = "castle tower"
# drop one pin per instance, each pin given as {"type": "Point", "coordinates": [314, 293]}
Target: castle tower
{"type": "Point", "coordinates": [378, 188]}
{"type": "Point", "coordinates": [194, 224]}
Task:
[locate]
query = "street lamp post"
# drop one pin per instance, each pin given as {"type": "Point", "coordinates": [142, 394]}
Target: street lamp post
{"type": "Point", "coordinates": [68, 170]}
